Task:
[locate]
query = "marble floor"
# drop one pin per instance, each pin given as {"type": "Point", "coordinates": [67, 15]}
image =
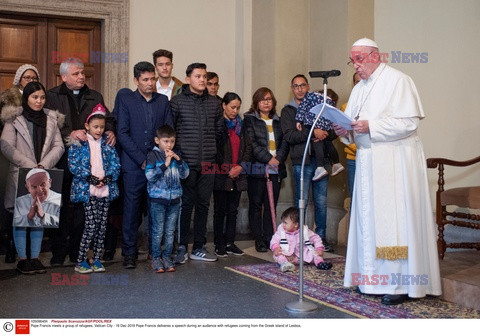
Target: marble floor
{"type": "Point", "coordinates": [460, 271]}
{"type": "Point", "coordinates": [200, 290]}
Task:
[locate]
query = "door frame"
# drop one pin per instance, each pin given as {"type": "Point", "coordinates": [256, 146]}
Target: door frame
{"type": "Point", "coordinates": [114, 16]}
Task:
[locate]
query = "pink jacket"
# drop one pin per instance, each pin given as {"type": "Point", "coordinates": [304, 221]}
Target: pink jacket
{"type": "Point", "coordinates": [293, 239]}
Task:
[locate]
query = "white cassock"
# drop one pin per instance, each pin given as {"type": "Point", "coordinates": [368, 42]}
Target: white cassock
{"type": "Point", "coordinates": [392, 232]}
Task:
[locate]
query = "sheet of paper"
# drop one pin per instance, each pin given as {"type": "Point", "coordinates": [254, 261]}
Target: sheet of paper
{"type": "Point", "coordinates": [334, 115]}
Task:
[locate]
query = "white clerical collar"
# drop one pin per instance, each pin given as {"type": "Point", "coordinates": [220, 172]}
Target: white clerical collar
{"type": "Point", "coordinates": [76, 92]}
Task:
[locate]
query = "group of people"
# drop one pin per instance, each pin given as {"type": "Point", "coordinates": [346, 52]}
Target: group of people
{"type": "Point", "coordinates": [169, 135]}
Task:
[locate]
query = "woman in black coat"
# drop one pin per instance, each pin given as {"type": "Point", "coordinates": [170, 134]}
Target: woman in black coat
{"type": "Point", "coordinates": [269, 152]}
{"type": "Point", "coordinates": [233, 152]}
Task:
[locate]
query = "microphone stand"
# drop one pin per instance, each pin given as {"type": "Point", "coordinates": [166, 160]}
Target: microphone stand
{"type": "Point", "coordinates": [302, 306]}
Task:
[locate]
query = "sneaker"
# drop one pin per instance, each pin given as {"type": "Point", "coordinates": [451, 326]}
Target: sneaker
{"type": "Point", "coordinates": [182, 256]}
{"type": "Point", "coordinates": [287, 267]}
{"type": "Point", "coordinates": [202, 254]}
{"type": "Point", "coordinates": [83, 268]}
{"type": "Point", "coordinates": [97, 266]}
{"type": "Point", "coordinates": [337, 168]}
{"type": "Point", "coordinates": [38, 266]}
{"type": "Point", "coordinates": [233, 249]}
{"type": "Point", "coordinates": [168, 264]}
{"type": "Point", "coordinates": [319, 173]}
{"type": "Point", "coordinates": [24, 267]}
{"type": "Point", "coordinates": [221, 251]}
{"type": "Point", "coordinates": [157, 265]}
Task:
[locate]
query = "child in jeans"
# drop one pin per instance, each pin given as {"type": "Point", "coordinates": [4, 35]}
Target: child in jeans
{"type": "Point", "coordinates": [163, 170]}
{"type": "Point", "coordinates": [285, 243]}
{"type": "Point", "coordinates": [325, 148]}
{"type": "Point", "coordinates": [95, 166]}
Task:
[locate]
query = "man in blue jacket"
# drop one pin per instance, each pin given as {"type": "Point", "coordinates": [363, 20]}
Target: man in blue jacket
{"type": "Point", "coordinates": [140, 114]}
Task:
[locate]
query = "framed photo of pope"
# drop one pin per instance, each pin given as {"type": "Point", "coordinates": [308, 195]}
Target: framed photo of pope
{"type": "Point", "coordinates": [38, 198]}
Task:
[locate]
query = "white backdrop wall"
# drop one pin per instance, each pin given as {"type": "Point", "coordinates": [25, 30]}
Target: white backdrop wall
{"type": "Point", "coordinates": [448, 83]}
{"type": "Point", "coordinates": [265, 42]}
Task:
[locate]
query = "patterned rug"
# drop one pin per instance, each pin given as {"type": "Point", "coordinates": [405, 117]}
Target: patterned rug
{"type": "Point", "coordinates": [326, 287]}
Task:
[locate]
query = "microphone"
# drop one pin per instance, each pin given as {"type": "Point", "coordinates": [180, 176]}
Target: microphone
{"type": "Point", "coordinates": [324, 74]}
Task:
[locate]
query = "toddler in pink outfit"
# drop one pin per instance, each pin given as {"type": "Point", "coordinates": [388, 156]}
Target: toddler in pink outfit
{"type": "Point", "coordinates": [285, 243]}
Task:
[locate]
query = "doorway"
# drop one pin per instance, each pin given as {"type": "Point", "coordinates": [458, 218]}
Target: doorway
{"type": "Point", "coordinates": [45, 42]}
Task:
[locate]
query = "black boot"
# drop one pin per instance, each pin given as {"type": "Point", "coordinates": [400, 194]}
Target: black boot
{"type": "Point", "coordinates": [260, 246]}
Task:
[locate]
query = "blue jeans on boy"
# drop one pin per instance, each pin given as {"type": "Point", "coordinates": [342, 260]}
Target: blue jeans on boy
{"type": "Point", "coordinates": [164, 221]}
{"type": "Point", "coordinates": [319, 194]}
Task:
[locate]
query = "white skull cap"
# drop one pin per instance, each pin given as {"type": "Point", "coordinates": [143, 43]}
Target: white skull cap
{"type": "Point", "coordinates": [365, 42]}
{"type": "Point", "coordinates": [36, 171]}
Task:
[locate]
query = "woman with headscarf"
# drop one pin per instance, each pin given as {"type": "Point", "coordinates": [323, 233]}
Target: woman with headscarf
{"type": "Point", "coordinates": [13, 97]}
{"type": "Point", "coordinates": [30, 139]}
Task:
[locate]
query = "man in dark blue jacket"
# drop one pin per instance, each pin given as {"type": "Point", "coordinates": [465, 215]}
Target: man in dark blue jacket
{"type": "Point", "coordinates": [140, 114]}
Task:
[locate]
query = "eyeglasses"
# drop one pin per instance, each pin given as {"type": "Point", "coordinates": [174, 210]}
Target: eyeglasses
{"type": "Point", "coordinates": [359, 59]}
{"type": "Point", "coordinates": [299, 86]}
{"type": "Point", "coordinates": [212, 84]}
{"type": "Point", "coordinates": [30, 78]}
{"type": "Point", "coordinates": [266, 100]}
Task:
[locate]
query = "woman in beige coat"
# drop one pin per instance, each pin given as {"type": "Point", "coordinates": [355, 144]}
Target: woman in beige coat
{"type": "Point", "coordinates": [25, 74]}
{"type": "Point", "coordinates": [30, 138]}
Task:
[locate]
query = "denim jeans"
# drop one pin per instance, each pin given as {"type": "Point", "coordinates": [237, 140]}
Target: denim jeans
{"type": "Point", "coordinates": [319, 195]}
{"type": "Point", "coordinates": [20, 238]}
{"type": "Point", "coordinates": [164, 221]}
{"type": "Point", "coordinates": [350, 175]}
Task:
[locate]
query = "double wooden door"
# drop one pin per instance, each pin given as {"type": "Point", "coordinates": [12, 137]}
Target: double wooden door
{"type": "Point", "coordinates": [44, 42]}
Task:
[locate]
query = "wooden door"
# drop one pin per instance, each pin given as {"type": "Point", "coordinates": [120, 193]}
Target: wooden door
{"type": "Point", "coordinates": [44, 42]}
{"type": "Point", "coordinates": [22, 40]}
{"type": "Point", "coordinates": [79, 39]}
